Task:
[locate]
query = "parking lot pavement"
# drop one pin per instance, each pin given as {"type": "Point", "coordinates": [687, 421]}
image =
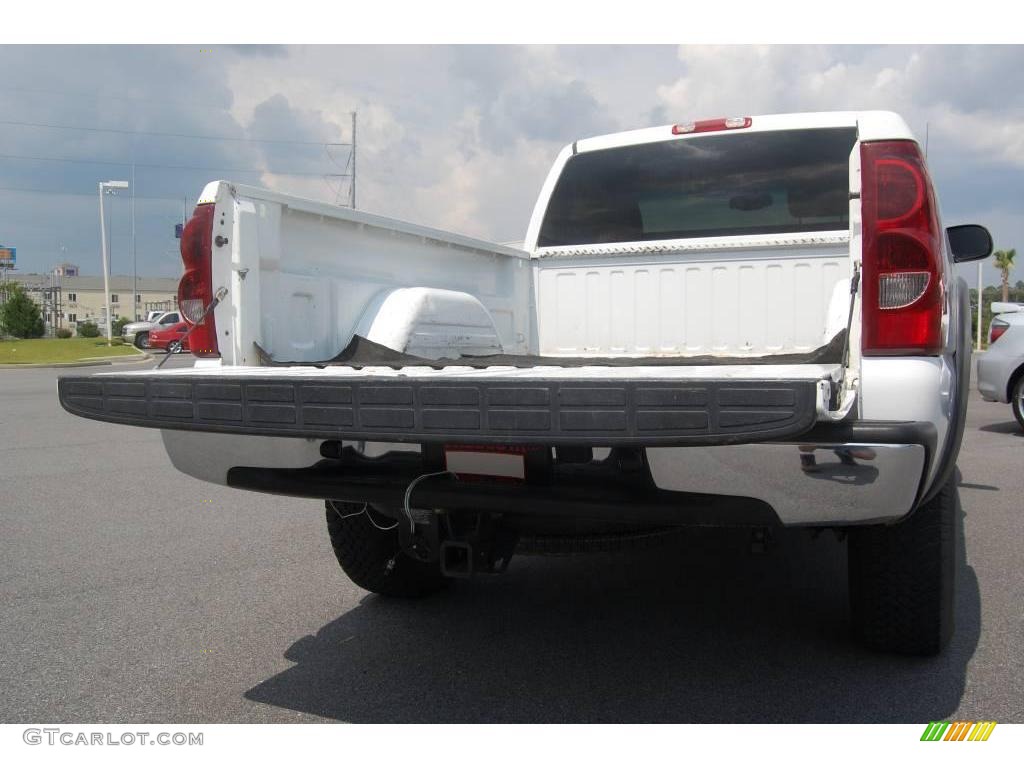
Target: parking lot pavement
{"type": "Point", "coordinates": [134, 593]}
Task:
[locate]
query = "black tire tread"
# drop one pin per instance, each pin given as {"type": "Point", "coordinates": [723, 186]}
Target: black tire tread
{"type": "Point", "coordinates": [364, 550]}
{"type": "Point", "coordinates": [902, 579]}
{"type": "Point", "coordinates": [1016, 393]}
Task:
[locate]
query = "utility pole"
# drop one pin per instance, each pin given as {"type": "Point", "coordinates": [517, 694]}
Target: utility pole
{"type": "Point", "coordinates": [110, 265]}
{"type": "Point", "coordinates": [135, 264]}
{"type": "Point", "coordinates": [106, 273]}
{"type": "Point", "coordinates": [352, 186]}
{"type": "Point", "coordinates": [61, 259]}
{"type": "Point", "coordinates": [979, 306]}
{"type": "Point", "coordinates": [58, 301]}
{"type": "Point", "coordinates": [104, 187]}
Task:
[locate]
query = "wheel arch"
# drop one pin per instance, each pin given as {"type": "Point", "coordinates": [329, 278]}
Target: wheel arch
{"type": "Point", "coordinates": [1011, 381]}
{"type": "Point", "coordinates": [960, 385]}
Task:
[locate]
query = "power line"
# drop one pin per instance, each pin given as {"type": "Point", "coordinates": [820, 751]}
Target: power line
{"type": "Point", "coordinates": [108, 96]}
{"type": "Point", "coordinates": [32, 158]}
{"type": "Point", "coordinates": [92, 194]}
{"type": "Point", "coordinates": [164, 134]}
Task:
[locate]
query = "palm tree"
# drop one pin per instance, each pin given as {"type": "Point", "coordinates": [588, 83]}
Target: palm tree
{"type": "Point", "coordinates": [1004, 263]}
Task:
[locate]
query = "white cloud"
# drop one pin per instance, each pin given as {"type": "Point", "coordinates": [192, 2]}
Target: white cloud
{"type": "Point", "coordinates": [462, 137]}
{"type": "Point", "coordinates": [995, 137]}
{"type": "Point", "coordinates": [451, 137]}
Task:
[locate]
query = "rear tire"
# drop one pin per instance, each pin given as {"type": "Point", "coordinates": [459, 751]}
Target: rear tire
{"type": "Point", "coordinates": [1017, 400]}
{"type": "Point", "coordinates": [142, 340]}
{"type": "Point", "coordinates": [902, 579]}
{"type": "Point", "coordinates": [364, 551]}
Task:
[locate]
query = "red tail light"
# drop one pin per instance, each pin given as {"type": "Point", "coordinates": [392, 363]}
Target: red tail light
{"type": "Point", "coordinates": [903, 269]}
{"type": "Point", "coordinates": [195, 291]}
{"type": "Point", "coordinates": [997, 329]}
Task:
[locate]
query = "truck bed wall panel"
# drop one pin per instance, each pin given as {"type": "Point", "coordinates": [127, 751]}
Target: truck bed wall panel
{"type": "Point", "coordinates": [746, 302]}
{"type": "Point", "coordinates": [301, 274]}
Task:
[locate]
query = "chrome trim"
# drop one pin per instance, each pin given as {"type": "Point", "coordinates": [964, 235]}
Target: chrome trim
{"type": "Point", "coordinates": [682, 245]}
{"type": "Point", "coordinates": [806, 484]}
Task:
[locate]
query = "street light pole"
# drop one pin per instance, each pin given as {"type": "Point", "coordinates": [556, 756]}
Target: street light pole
{"type": "Point", "coordinates": [135, 263]}
{"type": "Point", "coordinates": [106, 186]}
{"type": "Point", "coordinates": [106, 275]}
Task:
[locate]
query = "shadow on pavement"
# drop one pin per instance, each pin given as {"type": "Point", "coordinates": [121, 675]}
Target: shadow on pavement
{"type": "Point", "coordinates": [979, 487]}
{"type": "Point", "coordinates": [700, 631]}
{"type": "Point", "coordinates": [1003, 428]}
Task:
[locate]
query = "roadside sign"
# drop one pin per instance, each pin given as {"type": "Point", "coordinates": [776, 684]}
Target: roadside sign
{"type": "Point", "coordinates": [8, 256]}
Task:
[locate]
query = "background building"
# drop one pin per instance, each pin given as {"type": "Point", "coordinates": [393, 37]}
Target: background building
{"type": "Point", "coordinates": [68, 298]}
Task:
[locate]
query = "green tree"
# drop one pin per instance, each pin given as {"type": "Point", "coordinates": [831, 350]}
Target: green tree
{"type": "Point", "coordinates": [1004, 263]}
{"type": "Point", "coordinates": [19, 315]}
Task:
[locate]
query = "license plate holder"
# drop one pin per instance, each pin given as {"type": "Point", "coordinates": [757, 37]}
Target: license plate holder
{"type": "Point", "coordinates": [506, 463]}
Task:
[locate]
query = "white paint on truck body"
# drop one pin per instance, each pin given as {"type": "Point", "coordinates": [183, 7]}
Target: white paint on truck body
{"type": "Point", "coordinates": [431, 323]}
{"type": "Point", "coordinates": [303, 277]}
{"type": "Point", "coordinates": [727, 298]}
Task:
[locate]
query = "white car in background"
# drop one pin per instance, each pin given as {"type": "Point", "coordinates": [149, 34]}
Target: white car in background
{"type": "Point", "coordinates": [137, 333]}
{"type": "Point", "coordinates": [1001, 368]}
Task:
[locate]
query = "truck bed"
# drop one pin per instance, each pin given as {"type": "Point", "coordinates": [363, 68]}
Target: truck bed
{"type": "Point", "coordinates": [361, 353]}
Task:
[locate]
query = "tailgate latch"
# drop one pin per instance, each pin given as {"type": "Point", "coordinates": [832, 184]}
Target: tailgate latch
{"type": "Point", "coordinates": [841, 396]}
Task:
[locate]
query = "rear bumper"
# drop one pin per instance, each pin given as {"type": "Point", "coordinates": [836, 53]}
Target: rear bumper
{"type": "Point", "coordinates": [717, 452]}
{"type": "Point", "coordinates": [863, 473]}
{"type": "Point", "coordinates": [591, 411]}
{"type": "Point", "coordinates": [850, 474]}
{"type": "Point", "coordinates": [593, 492]}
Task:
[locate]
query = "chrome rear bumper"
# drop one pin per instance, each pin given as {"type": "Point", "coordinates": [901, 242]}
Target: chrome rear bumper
{"type": "Point", "coordinates": [841, 474]}
{"type": "Point", "coordinates": [807, 484]}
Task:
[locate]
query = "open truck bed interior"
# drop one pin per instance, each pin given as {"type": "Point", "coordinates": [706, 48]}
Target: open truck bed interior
{"type": "Point", "coordinates": [362, 353]}
{"type": "Point", "coordinates": [745, 321]}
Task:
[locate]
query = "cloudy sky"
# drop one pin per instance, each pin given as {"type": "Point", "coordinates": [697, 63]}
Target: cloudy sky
{"type": "Point", "coordinates": [458, 137]}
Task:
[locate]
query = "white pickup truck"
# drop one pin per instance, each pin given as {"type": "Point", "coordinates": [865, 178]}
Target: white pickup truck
{"type": "Point", "coordinates": [735, 322]}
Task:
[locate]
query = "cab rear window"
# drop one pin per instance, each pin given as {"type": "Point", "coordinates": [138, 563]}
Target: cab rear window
{"type": "Point", "coordinates": [704, 186]}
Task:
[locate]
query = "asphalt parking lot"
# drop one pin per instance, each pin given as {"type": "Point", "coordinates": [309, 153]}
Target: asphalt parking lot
{"type": "Point", "coordinates": [133, 593]}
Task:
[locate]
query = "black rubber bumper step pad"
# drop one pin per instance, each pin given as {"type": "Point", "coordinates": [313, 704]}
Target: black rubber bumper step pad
{"type": "Point", "coordinates": [492, 411]}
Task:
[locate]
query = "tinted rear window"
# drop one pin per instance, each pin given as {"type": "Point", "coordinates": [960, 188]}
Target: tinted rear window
{"type": "Point", "coordinates": [704, 186]}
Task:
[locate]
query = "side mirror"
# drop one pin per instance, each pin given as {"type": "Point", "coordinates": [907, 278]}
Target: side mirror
{"type": "Point", "coordinates": [969, 242]}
